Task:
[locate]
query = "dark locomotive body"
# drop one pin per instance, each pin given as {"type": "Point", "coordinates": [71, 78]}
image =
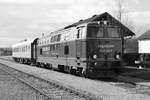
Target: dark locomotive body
{"type": "Point", "coordinates": [104, 50]}
{"type": "Point", "coordinates": [92, 49]}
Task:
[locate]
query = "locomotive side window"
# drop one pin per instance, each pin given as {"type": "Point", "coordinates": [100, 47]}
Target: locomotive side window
{"type": "Point", "coordinates": [56, 38]}
{"type": "Point", "coordinates": [52, 38]}
{"type": "Point", "coordinates": [59, 37]}
{"type": "Point", "coordinates": [40, 50]}
{"type": "Point", "coordinates": [66, 50]}
{"type": "Point", "coordinates": [79, 34]}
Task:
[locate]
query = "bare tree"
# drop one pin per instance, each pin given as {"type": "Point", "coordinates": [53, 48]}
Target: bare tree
{"type": "Point", "coordinates": [120, 9]}
{"type": "Point", "coordinates": [121, 14]}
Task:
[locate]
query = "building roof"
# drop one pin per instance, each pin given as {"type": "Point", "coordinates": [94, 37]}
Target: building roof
{"type": "Point", "coordinates": [104, 16]}
{"type": "Point", "coordinates": [144, 36]}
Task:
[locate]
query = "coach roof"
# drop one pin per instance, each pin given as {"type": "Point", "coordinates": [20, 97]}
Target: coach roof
{"type": "Point", "coordinates": [104, 16]}
{"type": "Point", "coordinates": [23, 43]}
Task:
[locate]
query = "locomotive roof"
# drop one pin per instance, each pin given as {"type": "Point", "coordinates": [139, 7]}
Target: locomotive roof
{"type": "Point", "coordinates": [24, 43]}
{"type": "Point", "coordinates": [104, 16]}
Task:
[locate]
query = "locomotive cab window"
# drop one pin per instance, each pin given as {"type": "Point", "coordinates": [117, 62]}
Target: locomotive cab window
{"type": "Point", "coordinates": [95, 31]}
{"type": "Point", "coordinates": [103, 32]}
{"type": "Point", "coordinates": [66, 50]}
{"type": "Point", "coordinates": [113, 32]}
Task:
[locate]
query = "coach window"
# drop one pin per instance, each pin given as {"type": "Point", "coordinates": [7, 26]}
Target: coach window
{"type": "Point", "coordinates": [50, 47]}
{"type": "Point", "coordinates": [66, 50]}
{"type": "Point", "coordinates": [26, 48]}
{"type": "Point", "coordinates": [22, 49]}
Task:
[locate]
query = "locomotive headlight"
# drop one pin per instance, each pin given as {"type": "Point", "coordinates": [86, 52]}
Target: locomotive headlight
{"type": "Point", "coordinates": [117, 56]}
{"type": "Point", "coordinates": [94, 56]}
{"type": "Point", "coordinates": [95, 63]}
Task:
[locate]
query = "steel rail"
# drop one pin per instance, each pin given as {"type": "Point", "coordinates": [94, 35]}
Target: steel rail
{"type": "Point", "coordinates": [28, 84]}
{"type": "Point", "coordinates": [87, 96]}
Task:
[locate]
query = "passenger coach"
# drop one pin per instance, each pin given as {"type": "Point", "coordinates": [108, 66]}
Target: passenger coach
{"type": "Point", "coordinates": [25, 51]}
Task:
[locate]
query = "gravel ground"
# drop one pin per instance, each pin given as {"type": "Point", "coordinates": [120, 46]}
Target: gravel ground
{"type": "Point", "coordinates": [12, 89]}
{"type": "Point", "coordinates": [6, 57]}
{"type": "Point", "coordinates": [54, 91]}
{"type": "Point", "coordinates": [104, 90]}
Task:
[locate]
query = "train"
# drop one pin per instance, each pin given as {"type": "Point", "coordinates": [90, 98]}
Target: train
{"type": "Point", "coordinates": [89, 49]}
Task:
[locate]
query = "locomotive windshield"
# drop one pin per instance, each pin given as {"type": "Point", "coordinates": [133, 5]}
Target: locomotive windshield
{"type": "Point", "coordinates": [103, 32]}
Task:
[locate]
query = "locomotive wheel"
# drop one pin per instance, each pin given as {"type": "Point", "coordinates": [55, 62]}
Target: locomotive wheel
{"type": "Point", "coordinates": [61, 68]}
{"type": "Point", "coordinates": [49, 66]}
{"type": "Point", "coordinates": [84, 74]}
{"type": "Point", "coordinates": [73, 71]}
{"type": "Point", "coordinates": [31, 64]}
{"type": "Point", "coordinates": [80, 73]}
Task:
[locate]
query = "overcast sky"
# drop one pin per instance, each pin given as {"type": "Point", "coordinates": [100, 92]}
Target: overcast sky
{"type": "Point", "coordinates": [23, 19]}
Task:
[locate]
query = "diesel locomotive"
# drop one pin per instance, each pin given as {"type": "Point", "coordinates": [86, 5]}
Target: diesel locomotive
{"type": "Point", "coordinates": [91, 49]}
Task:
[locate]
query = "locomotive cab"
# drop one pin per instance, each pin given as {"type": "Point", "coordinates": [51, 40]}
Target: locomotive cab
{"type": "Point", "coordinates": [104, 49]}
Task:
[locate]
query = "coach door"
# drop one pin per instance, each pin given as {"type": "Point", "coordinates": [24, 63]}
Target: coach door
{"type": "Point", "coordinates": [34, 51]}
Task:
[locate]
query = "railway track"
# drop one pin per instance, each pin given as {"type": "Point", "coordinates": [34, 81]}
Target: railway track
{"type": "Point", "coordinates": [27, 83]}
{"type": "Point", "coordinates": [139, 85]}
{"type": "Point", "coordinates": [49, 90]}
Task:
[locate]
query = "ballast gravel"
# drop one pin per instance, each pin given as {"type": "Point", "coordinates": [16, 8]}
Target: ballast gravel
{"type": "Point", "coordinates": [12, 89]}
{"type": "Point", "coordinates": [101, 89]}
